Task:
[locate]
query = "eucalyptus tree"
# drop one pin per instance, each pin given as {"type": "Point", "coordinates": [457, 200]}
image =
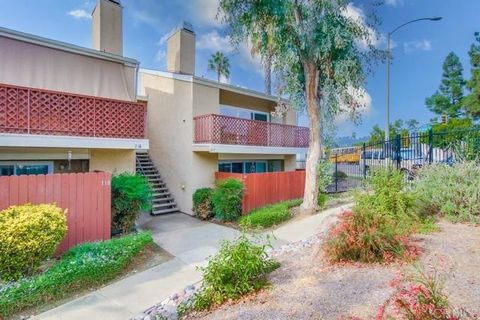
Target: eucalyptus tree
{"type": "Point", "coordinates": [258, 41]}
{"type": "Point", "coordinates": [220, 64]}
{"type": "Point", "coordinates": [320, 50]}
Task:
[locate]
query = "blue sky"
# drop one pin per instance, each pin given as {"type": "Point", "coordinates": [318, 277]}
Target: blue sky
{"type": "Point", "coordinates": [419, 49]}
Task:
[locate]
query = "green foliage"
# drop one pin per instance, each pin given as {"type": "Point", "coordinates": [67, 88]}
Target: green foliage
{"type": "Point", "coordinates": [202, 203]}
{"type": "Point", "coordinates": [131, 193]}
{"type": "Point", "coordinates": [271, 215]}
{"type": "Point", "coordinates": [377, 228]}
{"type": "Point", "coordinates": [447, 99]}
{"type": "Point", "coordinates": [220, 64]}
{"type": "Point", "coordinates": [238, 268]}
{"type": "Point", "coordinates": [84, 266]}
{"type": "Point", "coordinates": [377, 135]}
{"type": "Point", "coordinates": [324, 175]}
{"type": "Point", "coordinates": [325, 178]}
{"type": "Point", "coordinates": [318, 63]}
{"type": "Point", "coordinates": [29, 234]}
{"type": "Point", "coordinates": [450, 190]}
{"type": "Point", "coordinates": [227, 199]}
{"type": "Point", "coordinates": [471, 102]}
{"type": "Point", "coordinates": [322, 200]}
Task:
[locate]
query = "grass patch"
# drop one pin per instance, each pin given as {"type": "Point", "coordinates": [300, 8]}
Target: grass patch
{"type": "Point", "coordinates": [85, 265]}
{"type": "Point", "coordinates": [271, 215]}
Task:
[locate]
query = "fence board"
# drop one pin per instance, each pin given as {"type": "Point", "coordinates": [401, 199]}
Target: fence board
{"type": "Point", "coordinates": [262, 189]}
{"type": "Point", "coordinates": [85, 196]}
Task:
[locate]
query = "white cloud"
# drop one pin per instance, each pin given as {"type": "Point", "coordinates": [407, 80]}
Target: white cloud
{"type": "Point", "coordinates": [203, 12]}
{"type": "Point", "coordinates": [394, 3]}
{"type": "Point", "coordinates": [160, 55]}
{"type": "Point", "coordinates": [362, 101]}
{"type": "Point", "coordinates": [357, 15]}
{"type": "Point", "coordinates": [213, 41]}
{"type": "Point", "coordinates": [417, 45]}
{"type": "Point", "coordinates": [79, 14]}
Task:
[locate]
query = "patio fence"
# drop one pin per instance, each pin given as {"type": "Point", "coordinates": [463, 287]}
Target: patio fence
{"type": "Point", "coordinates": [266, 188]}
{"type": "Point", "coordinates": [85, 196]}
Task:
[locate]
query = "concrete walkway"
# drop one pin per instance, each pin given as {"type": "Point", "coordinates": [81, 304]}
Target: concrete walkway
{"type": "Point", "coordinates": [191, 241]}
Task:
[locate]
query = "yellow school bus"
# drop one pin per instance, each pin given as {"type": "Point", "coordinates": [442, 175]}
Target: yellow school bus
{"type": "Point", "coordinates": [346, 155]}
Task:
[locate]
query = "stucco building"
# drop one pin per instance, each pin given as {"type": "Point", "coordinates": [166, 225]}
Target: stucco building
{"type": "Point", "coordinates": [65, 108]}
{"type": "Point", "coordinates": [197, 127]}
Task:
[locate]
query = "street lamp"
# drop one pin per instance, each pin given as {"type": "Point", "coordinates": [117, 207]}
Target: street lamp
{"type": "Point", "coordinates": [389, 54]}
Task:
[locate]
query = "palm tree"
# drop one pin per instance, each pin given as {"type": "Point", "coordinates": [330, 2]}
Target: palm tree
{"type": "Point", "coordinates": [220, 64]}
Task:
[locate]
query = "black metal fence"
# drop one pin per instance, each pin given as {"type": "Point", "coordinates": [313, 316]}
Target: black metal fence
{"type": "Point", "coordinates": [407, 153]}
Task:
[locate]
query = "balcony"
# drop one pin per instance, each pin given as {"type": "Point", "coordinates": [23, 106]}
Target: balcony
{"type": "Point", "coordinates": [42, 112]}
{"type": "Point", "coordinates": [223, 133]}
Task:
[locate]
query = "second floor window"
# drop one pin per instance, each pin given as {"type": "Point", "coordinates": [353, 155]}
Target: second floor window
{"type": "Point", "coordinates": [244, 113]}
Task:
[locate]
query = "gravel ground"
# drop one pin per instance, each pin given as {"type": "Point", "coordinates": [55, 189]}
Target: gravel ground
{"type": "Point", "coordinates": [455, 253]}
{"type": "Point", "coordinates": [306, 287]}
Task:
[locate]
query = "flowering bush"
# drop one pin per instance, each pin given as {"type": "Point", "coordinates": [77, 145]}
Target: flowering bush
{"type": "Point", "coordinates": [377, 228]}
{"type": "Point", "coordinates": [420, 296]}
{"type": "Point", "coordinates": [366, 237]}
{"type": "Point", "coordinates": [28, 235]}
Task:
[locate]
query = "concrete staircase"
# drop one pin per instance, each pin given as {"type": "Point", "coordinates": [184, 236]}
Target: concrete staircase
{"type": "Point", "coordinates": [162, 200]}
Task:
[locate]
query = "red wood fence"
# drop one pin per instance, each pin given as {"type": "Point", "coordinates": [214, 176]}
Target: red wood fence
{"type": "Point", "coordinates": [219, 129]}
{"type": "Point", "coordinates": [36, 111]}
{"type": "Point", "coordinates": [86, 196]}
{"type": "Point", "coordinates": [266, 188]}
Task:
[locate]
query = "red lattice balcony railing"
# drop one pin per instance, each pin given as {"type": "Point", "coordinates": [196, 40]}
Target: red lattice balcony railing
{"type": "Point", "coordinates": [218, 129]}
{"type": "Point", "coordinates": [36, 111]}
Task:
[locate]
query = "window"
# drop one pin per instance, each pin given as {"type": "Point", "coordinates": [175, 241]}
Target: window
{"type": "Point", "coordinates": [237, 167]}
{"type": "Point", "coordinates": [244, 113]}
{"type": "Point", "coordinates": [9, 168]}
{"type": "Point", "coordinates": [250, 166]}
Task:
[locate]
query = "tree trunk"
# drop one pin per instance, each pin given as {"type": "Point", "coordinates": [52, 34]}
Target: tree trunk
{"type": "Point", "coordinates": [267, 66]}
{"type": "Point", "coordinates": [310, 202]}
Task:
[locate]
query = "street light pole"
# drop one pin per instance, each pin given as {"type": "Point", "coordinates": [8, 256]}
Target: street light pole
{"type": "Point", "coordinates": [387, 129]}
{"type": "Point", "coordinates": [389, 56]}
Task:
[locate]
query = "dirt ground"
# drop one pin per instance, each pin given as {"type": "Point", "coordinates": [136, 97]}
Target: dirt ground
{"type": "Point", "coordinates": [306, 287]}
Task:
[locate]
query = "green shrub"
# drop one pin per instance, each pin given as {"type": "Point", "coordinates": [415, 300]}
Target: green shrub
{"type": "Point", "coordinates": [324, 175]}
{"type": "Point", "coordinates": [202, 203]}
{"type": "Point", "coordinates": [269, 215]}
{"type": "Point", "coordinates": [29, 234]}
{"type": "Point", "coordinates": [227, 199]}
{"type": "Point", "coordinates": [238, 268]}
{"type": "Point", "coordinates": [450, 190]}
{"type": "Point", "coordinates": [324, 180]}
{"type": "Point", "coordinates": [85, 265]}
{"type": "Point", "coordinates": [131, 193]}
{"type": "Point", "coordinates": [377, 228]}
{"type": "Point", "coordinates": [322, 200]}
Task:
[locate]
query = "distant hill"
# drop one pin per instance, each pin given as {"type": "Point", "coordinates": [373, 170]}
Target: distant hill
{"type": "Point", "coordinates": [348, 141]}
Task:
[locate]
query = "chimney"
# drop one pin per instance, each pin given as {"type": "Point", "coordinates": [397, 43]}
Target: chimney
{"type": "Point", "coordinates": [181, 50]}
{"type": "Point", "coordinates": [107, 30]}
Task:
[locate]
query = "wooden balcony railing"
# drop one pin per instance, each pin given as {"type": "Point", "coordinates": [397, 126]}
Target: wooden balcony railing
{"type": "Point", "coordinates": [218, 129]}
{"type": "Point", "coordinates": [35, 111]}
